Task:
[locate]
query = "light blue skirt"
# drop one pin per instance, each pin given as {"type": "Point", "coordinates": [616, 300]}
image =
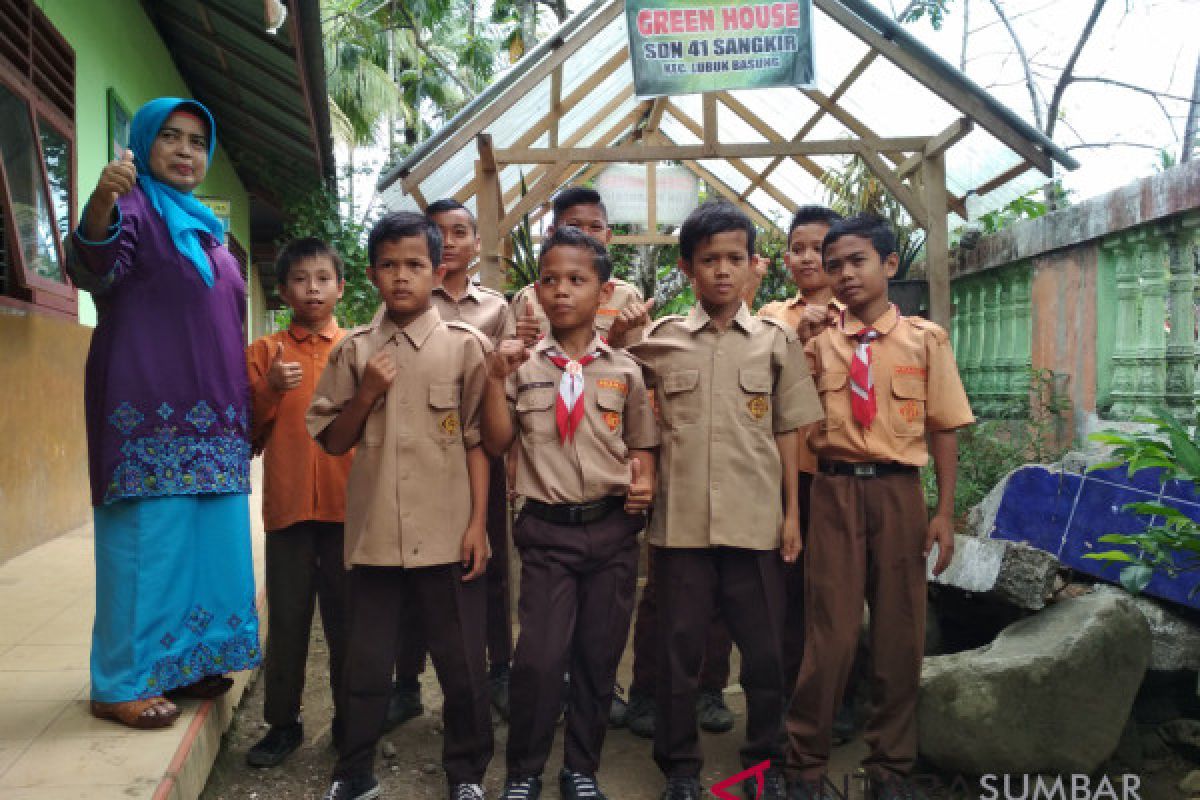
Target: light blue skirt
{"type": "Point", "coordinates": [174, 594]}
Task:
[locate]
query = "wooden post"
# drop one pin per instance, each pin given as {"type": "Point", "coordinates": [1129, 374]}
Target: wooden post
{"type": "Point", "coordinates": [488, 204]}
{"type": "Point", "coordinates": [709, 112]}
{"type": "Point", "coordinates": [937, 238]}
{"type": "Point", "coordinates": [651, 197]}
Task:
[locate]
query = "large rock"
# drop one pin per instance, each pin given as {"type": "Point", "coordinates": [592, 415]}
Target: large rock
{"type": "Point", "coordinates": [1175, 638]}
{"type": "Point", "coordinates": [1010, 571]}
{"type": "Point", "coordinates": [1050, 695]}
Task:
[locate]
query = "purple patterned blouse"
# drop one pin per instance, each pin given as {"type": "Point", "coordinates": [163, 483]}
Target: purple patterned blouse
{"type": "Point", "coordinates": [166, 395]}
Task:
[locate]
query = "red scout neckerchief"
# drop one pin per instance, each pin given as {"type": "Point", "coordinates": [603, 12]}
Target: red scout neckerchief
{"type": "Point", "coordinates": [568, 411]}
{"type": "Point", "coordinates": [862, 384]}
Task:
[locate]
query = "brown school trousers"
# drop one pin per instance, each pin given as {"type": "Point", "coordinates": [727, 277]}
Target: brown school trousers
{"type": "Point", "coordinates": [746, 586]}
{"type": "Point", "coordinates": [455, 613]}
{"type": "Point", "coordinates": [714, 669]}
{"type": "Point", "coordinates": [410, 656]}
{"type": "Point", "coordinates": [793, 578]}
{"type": "Point", "coordinates": [865, 542]}
{"type": "Point", "coordinates": [577, 588]}
{"type": "Point", "coordinates": [304, 566]}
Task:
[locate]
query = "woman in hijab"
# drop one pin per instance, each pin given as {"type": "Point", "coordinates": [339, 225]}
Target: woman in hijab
{"type": "Point", "coordinates": [167, 406]}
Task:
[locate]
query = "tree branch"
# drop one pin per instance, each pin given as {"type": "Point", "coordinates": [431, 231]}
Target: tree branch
{"type": "Point", "coordinates": [1065, 79]}
{"type": "Point", "coordinates": [421, 45]}
{"type": "Point", "coordinates": [1106, 145]}
{"type": "Point", "coordinates": [1033, 98]}
{"type": "Point", "coordinates": [1132, 87]}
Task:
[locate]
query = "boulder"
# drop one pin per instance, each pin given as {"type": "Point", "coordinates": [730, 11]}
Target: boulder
{"type": "Point", "coordinates": [1175, 638]}
{"type": "Point", "coordinates": [1009, 571]}
{"type": "Point", "coordinates": [1050, 695]}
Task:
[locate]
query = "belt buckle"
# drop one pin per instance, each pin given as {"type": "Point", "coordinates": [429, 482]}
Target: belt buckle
{"type": "Point", "coordinates": [575, 515]}
{"type": "Point", "coordinates": [864, 471]}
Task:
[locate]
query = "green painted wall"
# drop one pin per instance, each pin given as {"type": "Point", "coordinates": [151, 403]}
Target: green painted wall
{"type": "Point", "coordinates": [117, 47]}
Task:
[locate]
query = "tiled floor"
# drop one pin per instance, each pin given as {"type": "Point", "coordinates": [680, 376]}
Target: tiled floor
{"type": "Point", "coordinates": [51, 748]}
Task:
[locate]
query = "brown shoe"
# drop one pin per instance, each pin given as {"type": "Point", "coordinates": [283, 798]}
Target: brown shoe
{"type": "Point", "coordinates": [205, 689]}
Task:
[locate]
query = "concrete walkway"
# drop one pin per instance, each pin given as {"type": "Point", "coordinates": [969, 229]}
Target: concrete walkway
{"type": "Point", "coordinates": [51, 748]}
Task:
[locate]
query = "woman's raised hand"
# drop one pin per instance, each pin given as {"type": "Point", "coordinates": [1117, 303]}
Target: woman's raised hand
{"type": "Point", "coordinates": [116, 179]}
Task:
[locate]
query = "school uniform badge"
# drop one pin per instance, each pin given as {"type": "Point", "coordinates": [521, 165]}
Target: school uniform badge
{"type": "Point", "coordinates": [758, 406]}
{"type": "Point", "coordinates": [613, 420]}
{"type": "Point", "coordinates": [449, 423]}
{"type": "Point", "coordinates": [910, 410]}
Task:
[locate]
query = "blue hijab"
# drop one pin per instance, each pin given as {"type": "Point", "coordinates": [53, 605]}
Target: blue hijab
{"type": "Point", "coordinates": [184, 214]}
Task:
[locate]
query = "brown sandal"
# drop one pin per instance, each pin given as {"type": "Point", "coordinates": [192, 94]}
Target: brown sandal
{"type": "Point", "coordinates": [140, 714]}
{"type": "Point", "coordinates": [205, 688]}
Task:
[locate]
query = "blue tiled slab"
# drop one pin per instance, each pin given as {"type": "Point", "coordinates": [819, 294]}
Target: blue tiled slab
{"type": "Point", "coordinates": [1036, 507]}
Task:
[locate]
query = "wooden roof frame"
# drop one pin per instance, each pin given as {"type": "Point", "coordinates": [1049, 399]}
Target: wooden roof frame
{"type": "Point", "coordinates": [912, 167]}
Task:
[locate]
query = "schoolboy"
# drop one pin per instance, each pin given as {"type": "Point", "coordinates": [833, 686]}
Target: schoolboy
{"type": "Point", "coordinates": [458, 298]}
{"type": "Point", "coordinates": [888, 384]}
{"type": "Point", "coordinates": [586, 439]}
{"type": "Point", "coordinates": [814, 299]}
{"type": "Point", "coordinates": [304, 493]}
{"type": "Point", "coordinates": [404, 542]}
{"type": "Point", "coordinates": [732, 390]}
{"type": "Point", "coordinates": [582, 208]}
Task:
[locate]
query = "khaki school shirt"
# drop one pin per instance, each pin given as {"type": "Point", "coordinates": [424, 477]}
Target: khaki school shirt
{"type": "Point", "coordinates": [617, 418]}
{"type": "Point", "coordinates": [722, 396]}
{"type": "Point", "coordinates": [917, 390]}
{"type": "Point", "coordinates": [789, 313]}
{"type": "Point", "coordinates": [624, 295]}
{"type": "Point", "coordinates": [481, 307]}
{"type": "Point", "coordinates": [408, 500]}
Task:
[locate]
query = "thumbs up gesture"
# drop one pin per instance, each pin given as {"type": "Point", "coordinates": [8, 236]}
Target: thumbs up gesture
{"type": "Point", "coordinates": [506, 358]}
{"type": "Point", "coordinates": [641, 487]}
{"type": "Point", "coordinates": [528, 329]}
{"type": "Point", "coordinates": [815, 319]}
{"type": "Point", "coordinates": [631, 318]}
{"type": "Point", "coordinates": [283, 375]}
{"type": "Point", "coordinates": [116, 180]}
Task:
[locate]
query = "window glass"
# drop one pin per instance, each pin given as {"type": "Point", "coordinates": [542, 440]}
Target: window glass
{"type": "Point", "coordinates": [36, 227]}
{"type": "Point", "coordinates": [56, 150]}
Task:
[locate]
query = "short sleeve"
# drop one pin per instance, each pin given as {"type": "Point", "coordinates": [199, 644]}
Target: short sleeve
{"type": "Point", "coordinates": [642, 352]}
{"type": "Point", "coordinates": [796, 400]}
{"type": "Point", "coordinates": [475, 350]}
{"type": "Point", "coordinates": [946, 403]}
{"type": "Point", "coordinates": [335, 389]}
{"type": "Point", "coordinates": [641, 429]}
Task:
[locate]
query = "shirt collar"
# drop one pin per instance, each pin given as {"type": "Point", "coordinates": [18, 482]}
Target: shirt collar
{"type": "Point", "coordinates": [548, 342]}
{"type": "Point", "coordinates": [472, 293]}
{"type": "Point", "coordinates": [799, 300]}
{"type": "Point", "coordinates": [698, 318]}
{"type": "Point", "coordinates": [417, 331]}
{"type": "Point", "coordinates": [852, 325]}
{"type": "Point", "coordinates": [301, 333]}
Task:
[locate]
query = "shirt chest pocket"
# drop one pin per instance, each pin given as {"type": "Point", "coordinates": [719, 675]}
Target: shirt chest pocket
{"type": "Point", "coordinates": [535, 413]}
{"type": "Point", "coordinates": [907, 413]}
{"type": "Point", "coordinates": [835, 399]}
{"type": "Point", "coordinates": [680, 400]}
{"type": "Point", "coordinates": [755, 397]}
{"type": "Point", "coordinates": [612, 411]}
{"type": "Point", "coordinates": [444, 401]}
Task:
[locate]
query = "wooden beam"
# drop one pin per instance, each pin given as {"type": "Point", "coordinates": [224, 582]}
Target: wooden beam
{"type": "Point", "coordinates": [737, 163]}
{"type": "Point", "coordinates": [639, 154]}
{"type": "Point", "coordinates": [422, 203]}
{"type": "Point", "coordinates": [709, 111]}
{"type": "Point", "coordinates": [912, 204]}
{"type": "Point", "coordinates": [645, 238]}
{"type": "Point", "coordinates": [1001, 179]}
{"type": "Point", "coordinates": [770, 134]}
{"type": "Point", "coordinates": [520, 87]}
{"type": "Point", "coordinates": [555, 105]}
{"type": "Point", "coordinates": [937, 239]}
{"type": "Point", "coordinates": [654, 119]}
{"type": "Point", "coordinates": [489, 213]}
{"type": "Point", "coordinates": [652, 196]}
{"type": "Point", "coordinates": [955, 95]}
{"type": "Point", "coordinates": [808, 126]}
{"type": "Point", "coordinates": [952, 135]}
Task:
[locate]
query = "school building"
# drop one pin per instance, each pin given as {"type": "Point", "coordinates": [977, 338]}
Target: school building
{"type": "Point", "coordinates": [72, 72]}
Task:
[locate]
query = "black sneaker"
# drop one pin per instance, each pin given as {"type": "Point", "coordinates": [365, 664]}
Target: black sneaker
{"type": "Point", "coordinates": [774, 786]}
{"type": "Point", "coordinates": [640, 715]}
{"type": "Point", "coordinates": [577, 786]}
{"type": "Point", "coordinates": [466, 791]}
{"type": "Point", "coordinates": [844, 725]}
{"type": "Point", "coordinates": [403, 705]}
{"type": "Point", "coordinates": [682, 789]}
{"type": "Point", "coordinates": [711, 712]}
{"type": "Point", "coordinates": [277, 745]}
{"type": "Point", "coordinates": [522, 789]}
{"type": "Point", "coordinates": [360, 787]}
{"type": "Point", "coordinates": [498, 685]}
{"type": "Point", "coordinates": [619, 708]}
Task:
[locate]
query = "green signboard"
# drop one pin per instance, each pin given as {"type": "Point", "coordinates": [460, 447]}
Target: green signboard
{"type": "Point", "coordinates": [692, 46]}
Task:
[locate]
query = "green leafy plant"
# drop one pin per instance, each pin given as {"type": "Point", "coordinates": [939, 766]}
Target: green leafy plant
{"type": "Point", "coordinates": [522, 267]}
{"type": "Point", "coordinates": [855, 189]}
{"type": "Point", "coordinates": [1171, 542]}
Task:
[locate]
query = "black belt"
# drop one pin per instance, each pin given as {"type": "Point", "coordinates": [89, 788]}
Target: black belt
{"type": "Point", "coordinates": [867, 469]}
{"type": "Point", "coordinates": [573, 513]}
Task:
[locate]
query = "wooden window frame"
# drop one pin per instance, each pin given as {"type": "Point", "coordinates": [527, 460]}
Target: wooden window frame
{"type": "Point", "coordinates": [25, 288]}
